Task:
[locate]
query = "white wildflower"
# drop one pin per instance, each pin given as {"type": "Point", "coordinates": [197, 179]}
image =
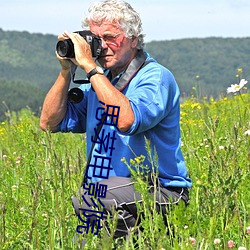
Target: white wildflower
{"type": "Point", "coordinates": [236, 87]}
{"type": "Point", "coordinates": [242, 248]}
{"type": "Point", "coordinates": [217, 241]}
{"type": "Point", "coordinates": [22, 210]}
{"type": "Point", "coordinates": [247, 133]}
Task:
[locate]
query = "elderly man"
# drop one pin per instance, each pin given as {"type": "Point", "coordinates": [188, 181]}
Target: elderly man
{"type": "Point", "coordinates": [140, 99]}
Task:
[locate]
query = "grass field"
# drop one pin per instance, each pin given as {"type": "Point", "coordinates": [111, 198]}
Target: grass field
{"type": "Point", "coordinates": [40, 172]}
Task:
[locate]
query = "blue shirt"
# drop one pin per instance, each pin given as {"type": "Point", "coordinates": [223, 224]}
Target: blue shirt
{"type": "Point", "coordinates": [154, 97]}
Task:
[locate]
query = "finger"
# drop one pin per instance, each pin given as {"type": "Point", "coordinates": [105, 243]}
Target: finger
{"type": "Point", "coordinates": [66, 33]}
{"type": "Point", "coordinates": [62, 36]}
{"type": "Point", "coordinates": [69, 60]}
{"type": "Point", "coordinates": [75, 37]}
{"type": "Point", "coordinates": [59, 57]}
{"type": "Point", "coordinates": [70, 34]}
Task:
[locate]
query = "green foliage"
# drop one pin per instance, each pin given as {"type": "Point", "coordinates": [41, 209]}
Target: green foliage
{"type": "Point", "coordinates": [14, 95]}
{"type": "Point", "coordinates": [37, 180]}
{"type": "Point", "coordinates": [28, 68]}
{"type": "Point", "coordinates": [28, 58]}
{"type": "Point", "coordinates": [40, 172]}
{"type": "Point", "coordinates": [208, 62]}
{"type": "Point", "coordinates": [204, 67]}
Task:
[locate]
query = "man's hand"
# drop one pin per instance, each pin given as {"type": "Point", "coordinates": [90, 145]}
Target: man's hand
{"type": "Point", "coordinates": [83, 54]}
{"type": "Point", "coordinates": [66, 63]}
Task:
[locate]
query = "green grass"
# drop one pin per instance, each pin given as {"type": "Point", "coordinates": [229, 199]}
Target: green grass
{"type": "Point", "coordinates": [40, 172]}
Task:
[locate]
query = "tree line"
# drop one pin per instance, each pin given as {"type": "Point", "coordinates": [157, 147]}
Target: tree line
{"type": "Point", "coordinates": [202, 67]}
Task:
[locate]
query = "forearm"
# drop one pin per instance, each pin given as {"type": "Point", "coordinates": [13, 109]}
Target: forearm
{"type": "Point", "coordinates": [109, 95]}
{"type": "Point", "coordinates": [55, 103]}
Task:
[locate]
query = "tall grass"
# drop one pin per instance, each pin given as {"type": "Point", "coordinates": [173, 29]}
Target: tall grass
{"type": "Point", "coordinates": [40, 172]}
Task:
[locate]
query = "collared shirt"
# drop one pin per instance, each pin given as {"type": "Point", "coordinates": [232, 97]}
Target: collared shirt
{"type": "Point", "coordinates": [154, 97]}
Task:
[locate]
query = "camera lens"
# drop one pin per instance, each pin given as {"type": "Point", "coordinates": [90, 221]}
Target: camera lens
{"type": "Point", "coordinates": [75, 95]}
{"type": "Point", "coordinates": [65, 48]}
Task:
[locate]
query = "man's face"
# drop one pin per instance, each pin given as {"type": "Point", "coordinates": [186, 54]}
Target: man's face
{"type": "Point", "coordinates": [118, 50]}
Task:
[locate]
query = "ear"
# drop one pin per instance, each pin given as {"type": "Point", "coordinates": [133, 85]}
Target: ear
{"type": "Point", "coordinates": [134, 42]}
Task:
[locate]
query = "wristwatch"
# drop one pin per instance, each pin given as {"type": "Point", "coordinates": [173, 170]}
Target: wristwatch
{"type": "Point", "coordinates": [96, 70]}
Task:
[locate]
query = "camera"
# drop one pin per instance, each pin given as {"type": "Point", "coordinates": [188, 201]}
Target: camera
{"type": "Point", "coordinates": [65, 48]}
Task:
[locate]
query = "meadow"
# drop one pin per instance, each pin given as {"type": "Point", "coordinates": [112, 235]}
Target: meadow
{"type": "Point", "coordinates": [40, 172]}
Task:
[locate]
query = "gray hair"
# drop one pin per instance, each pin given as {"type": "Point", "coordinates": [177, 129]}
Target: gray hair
{"type": "Point", "coordinates": [120, 13]}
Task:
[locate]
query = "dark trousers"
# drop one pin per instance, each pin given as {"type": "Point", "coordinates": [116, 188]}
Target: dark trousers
{"type": "Point", "coordinates": [121, 196]}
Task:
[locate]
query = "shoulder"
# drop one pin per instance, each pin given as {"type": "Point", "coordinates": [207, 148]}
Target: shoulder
{"type": "Point", "coordinates": [155, 71]}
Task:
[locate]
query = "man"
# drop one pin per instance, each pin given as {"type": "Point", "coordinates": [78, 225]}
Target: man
{"type": "Point", "coordinates": [146, 98]}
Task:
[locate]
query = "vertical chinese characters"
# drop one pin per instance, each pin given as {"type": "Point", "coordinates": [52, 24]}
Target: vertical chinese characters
{"type": "Point", "coordinates": [101, 166]}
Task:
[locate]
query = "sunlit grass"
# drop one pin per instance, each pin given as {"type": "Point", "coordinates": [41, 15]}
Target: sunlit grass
{"type": "Point", "coordinates": [40, 172]}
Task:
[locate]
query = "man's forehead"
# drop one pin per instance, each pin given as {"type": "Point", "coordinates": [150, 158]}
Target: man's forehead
{"type": "Point", "coordinates": [104, 27]}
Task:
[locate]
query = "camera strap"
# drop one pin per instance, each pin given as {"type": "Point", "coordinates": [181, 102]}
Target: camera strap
{"type": "Point", "coordinates": [136, 64]}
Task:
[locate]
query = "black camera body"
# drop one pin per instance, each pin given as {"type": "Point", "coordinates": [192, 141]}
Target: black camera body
{"type": "Point", "coordinates": [65, 48]}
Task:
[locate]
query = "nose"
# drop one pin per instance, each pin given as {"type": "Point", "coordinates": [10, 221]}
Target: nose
{"type": "Point", "coordinates": [104, 44]}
